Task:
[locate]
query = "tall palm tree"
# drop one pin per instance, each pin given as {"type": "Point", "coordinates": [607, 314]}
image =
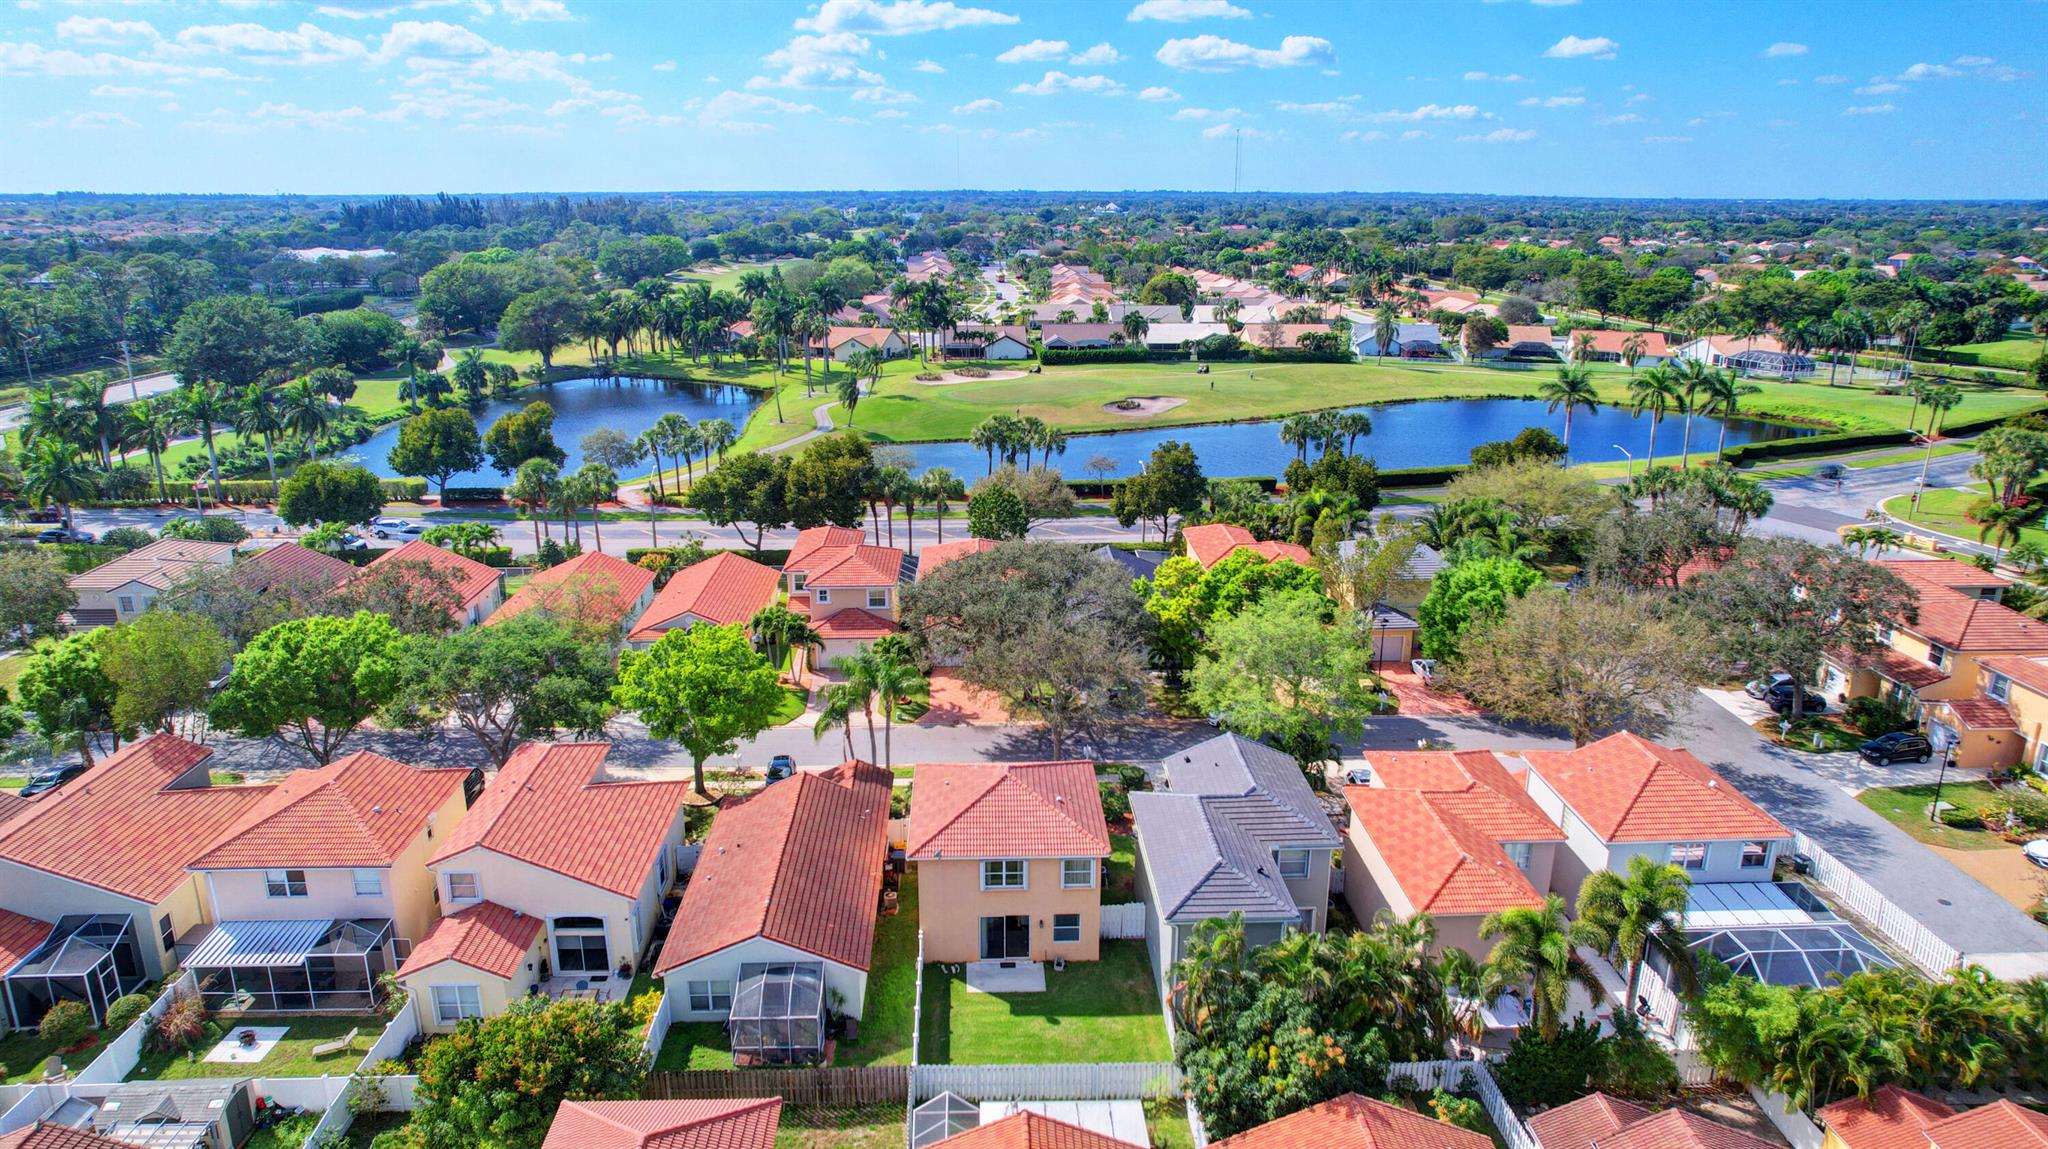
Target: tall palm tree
{"type": "Point", "coordinates": [718, 434]}
{"type": "Point", "coordinates": [536, 485]}
{"type": "Point", "coordinates": [1386, 327]}
{"type": "Point", "coordinates": [257, 414]}
{"type": "Point", "coordinates": [202, 405]}
{"type": "Point", "coordinates": [1689, 375]}
{"type": "Point", "coordinates": [849, 395]}
{"type": "Point", "coordinates": [837, 704]}
{"type": "Point", "coordinates": [596, 484]}
{"type": "Point", "coordinates": [1540, 947]}
{"type": "Point", "coordinates": [472, 374]}
{"type": "Point", "coordinates": [689, 442]}
{"type": "Point", "coordinates": [987, 435]}
{"type": "Point", "coordinates": [939, 487]}
{"type": "Point", "coordinates": [1352, 425]}
{"type": "Point", "coordinates": [1582, 347]}
{"type": "Point", "coordinates": [52, 472]}
{"type": "Point", "coordinates": [1655, 391]}
{"type": "Point", "coordinates": [863, 672]}
{"type": "Point", "coordinates": [151, 425]}
{"type": "Point", "coordinates": [305, 414]}
{"type": "Point", "coordinates": [1641, 911]}
{"type": "Point", "coordinates": [1720, 392]}
{"type": "Point", "coordinates": [896, 681]}
{"type": "Point", "coordinates": [780, 630]}
{"type": "Point", "coordinates": [95, 417]}
{"type": "Point", "coordinates": [1572, 390]}
{"type": "Point", "coordinates": [1632, 349]}
{"type": "Point", "coordinates": [1136, 326]}
{"type": "Point", "coordinates": [1298, 431]}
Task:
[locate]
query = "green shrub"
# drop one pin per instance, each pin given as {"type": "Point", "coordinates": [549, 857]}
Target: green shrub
{"type": "Point", "coordinates": [473, 494]}
{"type": "Point", "coordinates": [1133, 777]}
{"type": "Point", "coordinates": [127, 538]}
{"type": "Point", "coordinates": [1877, 716]}
{"type": "Point", "coordinates": [1059, 357]}
{"type": "Point", "coordinates": [2017, 808]}
{"type": "Point", "coordinates": [1958, 818]}
{"type": "Point", "coordinates": [205, 529]}
{"type": "Point", "coordinates": [1539, 1072]}
{"type": "Point", "coordinates": [404, 490]}
{"type": "Point", "coordinates": [1635, 1065]}
{"type": "Point", "coordinates": [1463, 1112]}
{"type": "Point", "coordinates": [1116, 801]}
{"type": "Point", "coordinates": [67, 1024]}
{"type": "Point", "coordinates": [124, 1011]}
{"type": "Point", "coordinates": [182, 1025]}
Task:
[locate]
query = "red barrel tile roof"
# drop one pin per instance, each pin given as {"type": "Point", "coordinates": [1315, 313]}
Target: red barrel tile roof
{"type": "Point", "coordinates": [1890, 1118]}
{"type": "Point", "coordinates": [486, 936]}
{"type": "Point", "coordinates": [1629, 789]}
{"type": "Point", "coordinates": [1028, 1130]}
{"type": "Point", "coordinates": [724, 589]}
{"type": "Point", "coordinates": [1355, 1122]}
{"type": "Point", "coordinates": [301, 564]}
{"type": "Point", "coordinates": [1682, 1129]}
{"type": "Point", "coordinates": [592, 586]}
{"type": "Point", "coordinates": [20, 936]}
{"type": "Point", "coordinates": [1580, 1124]}
{"type": "Point", "coordinates": [1443, 864]}
{"type": "Point", "coordinates": [939, 554]}
{"type": "Point", "coordinates": [1211, 543]}
{"type": "Point", "coordinates": [363, 810]}
{"type": "Point", "coordinates": [472, 579]}
{"type": "Point", "coordinates": [1007, 810]}
{"type": "Point", "coordinates": [854, 622]}
{"type": "Point", "coordinates": [746, 1124]}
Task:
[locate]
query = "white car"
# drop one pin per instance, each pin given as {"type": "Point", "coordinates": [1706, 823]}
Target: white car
{"type": "Point", "coordinates": [385, 528]}
{"type": "Point", "coordinates": [2037, 852]}
{"type": "Point", "coordinates": [1424, 668]}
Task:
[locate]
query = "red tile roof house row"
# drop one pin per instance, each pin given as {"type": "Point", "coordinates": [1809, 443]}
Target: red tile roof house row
{"type": "Point", "coordinates": [1895, 1118]}
{"type": "Point", "coordinates": [594, 589]}
{"type": "Point", "coordinates": [745, 1124]}
{"type": "Point", "coordinates": [552, 839]}
{"type": "Point", "coordinates": [1597, 1121]}
{"type": "Point", "coordinates": [1211, 543]}
{"type": "Point", "coordinates": [790, 873]}
{"type": "Point", "coordinates": [480, 589]}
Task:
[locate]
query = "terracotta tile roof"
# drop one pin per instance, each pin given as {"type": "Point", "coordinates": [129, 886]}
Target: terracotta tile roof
{"type": "Point", "coordinates": [1471, 784]}
{"type": "Point", "coordinates": [939, 554]}
{"type": "Point", "coordinates": [811, 540]}
{"type": "Point", "coordinates": [1999, 1125]}
{"type": "Point", "coordinates": [1028, 1130]}
{"type": "Point", "coordinates": [1895, 667]}
{"type": "Point", "coordinates": [45, 1136]}
{"type": "Point", "coordinates": [1610, 342]}
{"type": "Point", "coordinates": [485, 936]}
{"type": "Point", "coordinates": [122, 827]}
{"type": "Point", "coordinates": [1443, 864]}
{"type": "Point", "coordinates": [854, 622]}
{"type": "Point", "coordinates": [1890, 1118]}
{"type": "Point", "coordinates": [746, 1124]}
{"type": "Point", "coordinates": [799, 862]}
{"type": "Point", "coordinates": [471, 579]}
{"type": "Point", "coordinates": [723, 590]}
{"type": "Point", "coordinates": [593, 586]}
{"type": "Point", "coordinates": [1580, 1124]}
{"type": "Point", "coordinates": [1211, 543]}
{"type": "Point", "coordinates": [300, 565]}
{"type": "Point", "coordinates": [546, 808]}
{"type": "Point", "coordinates": [1527, 333]}
{"type": "Point", "coordinates": [1007, 810]}
{"type": "Point", "coordinates": [1629, 789]}
{"type": "Point", "coordinates": [363, 810]}
{"type": "Point", "coordinates": [1982, 713]}
{"type": "Point", "coordinates": [1943, 572]}
{"type": "Point", "coordinates": [1681, 1129]}
{"type": "Point", "coordinates": [1965, 622]}
{"type": "Point", "coordinates": [854, 566]}
{"type": "Point", "coordinates": [1355, 1122]}
{"type": "Point", "coordinates": [2031, 673]}
{"type": "Point", "coordinates": [19, 937]}
{"type": "Point", "coordinates": [12, 804]}
{"type": "Point", "coordinates": [157, 565]}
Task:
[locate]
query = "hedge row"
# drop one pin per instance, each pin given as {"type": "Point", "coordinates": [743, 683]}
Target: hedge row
{"type": "Point", "coordinates": [316, 302]}
{"type": "Point", "coordinates": [1400, 477]}
{"type": "Point", "coordinates": [1300, 355]}
{"type": "Point", "coordinates": [1107, 488]}
{"type": "Point", "coordinates": [473, 495]}
{"type": "Point", "coordinates": [1062, 357]}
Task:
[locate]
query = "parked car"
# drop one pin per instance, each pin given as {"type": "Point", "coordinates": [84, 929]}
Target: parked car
{"type": "Point", "coordinates": [1779, 697]}
{"type": "Point", "coordinates": [64, 535]}
{"type": "Point", "coordinates": [45, 515]}
{"type": "Point", "coordinates": [351, 543]}
{"type": "Point", "coordinates": [779, 767]}
{"type": "Point", "coordinates": [1424, 668]}
{"type": "Point", "coordinates": [1758, 687]}
{"type": "Point", "coordinates": [50, 779]}
{"type": "Point", "coordinates": [2037, 852]}
{"type": "Point", "coordinates": [1898, 746]}
{"type": "Point", "coordinates": [386, 528]}
{"type": "Point", "coordinates": [1362, 776]}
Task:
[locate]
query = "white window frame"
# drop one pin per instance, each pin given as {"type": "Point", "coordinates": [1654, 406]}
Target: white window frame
{"type": "Point", "coordinates": [454, 1008]}
{"type": "Point", "coordinates": [126, 603]}
{"type": "Point", "coordinates": [1937, 655]}
{"type": "Point", "coordinates": [373, 887]}
{"type": "Point", "coordinates": [476, 888]}
{"type": "Point", "coordinates": [2000, 687]}
{"type": "Point", "coordinates": [1763, 860]}
{"type": "Point", "coordinates": [709, 993]}
{"type": "Point", "coordinates": [1067, 881]}
{"type": "Point", "coordinates": [274, 879]}
{"type": "Point", "coordinates": [796, 582]}
{"type": "Point", "coordinates": [1057, 927]}
{"type": "Point", "coordinates": [1023, 872]}
{"type": "Point", "coordinates": [1281, 859]}
{"type": "Point", "coordinates": [1519, 853]}
{"type": "Point", "coordinates": [824, 594]}
{"type": "Point", "coordinates": [878, 598]}
{"type": "Point", "coordinates": [1688, 856]}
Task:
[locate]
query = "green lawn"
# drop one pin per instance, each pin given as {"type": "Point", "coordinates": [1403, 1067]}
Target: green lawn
{"type": "Point", "coordinates": [1906, 808]}
{"type": "Point", "coordinates": [1120, 871]}
{"type": "Point", "coordinates": [790, 708]}
{"type": "Point", "coordinates": [892, 988]}
{"type": "Point", "coordinates": [2016, 352]}
{"type": "Point", "coordinates": [290, 1133]}
{"type": "Point", "coordinates": [292, 1057]}
{"type": "Point", "coordinates": [1834, 737]}
{"type": "Point", "coordinates": [841, 1127]}
{"type": "Point", "coordinates": [1090, 1011]}
{"type": "Point", "coordinates": [694, 1045]}
{"type": "Point", "coordinates": [1166, 1122]}
{"type": "Point", "coordinates": [22, 1054]}
{"type": "Point", "coordinates": [1945, 510]}
{"type": "Point", "coordinates": [10, 670]}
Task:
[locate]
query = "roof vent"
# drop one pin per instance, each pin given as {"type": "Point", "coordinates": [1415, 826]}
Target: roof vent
{"type": "Point", "coordinates": [1713, 783]}
{"type": "Point", "coordinates": [376, 809]}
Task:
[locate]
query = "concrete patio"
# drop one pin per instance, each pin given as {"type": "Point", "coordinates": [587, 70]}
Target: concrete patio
{"type": "Point", "coordinates": [1005, 977]}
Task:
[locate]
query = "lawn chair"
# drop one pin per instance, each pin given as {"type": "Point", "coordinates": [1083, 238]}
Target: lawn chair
{"type": "Point", "coordinates": [341, 1044]}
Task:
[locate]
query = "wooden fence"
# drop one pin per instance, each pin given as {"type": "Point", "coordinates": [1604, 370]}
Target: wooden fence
{"type": "Point", "coordinates": [871, 1085]}
{"type": "Point", "coordinates": [1099, 1081]}
{"type": "Point", "coordinates": [1123, 921]}
{"type": "Point", "coordinates": [1933, 955]}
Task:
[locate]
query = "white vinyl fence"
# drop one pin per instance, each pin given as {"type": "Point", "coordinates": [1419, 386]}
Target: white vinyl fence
{"type": "Point", "coordinates": [1101, 1081]}
{"type": "Point", "coordinates": [1933, 955]}
{"type": "Point", "coordinates": [404, 1026]}
{"type": "Point", "coordinates": [1451, 1076]}
{"type": "Point", "coordinates": [28, 1104]}
{"type": "Point", "coordinates": [120, 1056]}
{"type": "Point", "coordinates": [1123, 921]}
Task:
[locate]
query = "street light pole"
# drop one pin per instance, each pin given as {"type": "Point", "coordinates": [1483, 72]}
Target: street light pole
{"type": "Point", "coordinates": [1631, 459]}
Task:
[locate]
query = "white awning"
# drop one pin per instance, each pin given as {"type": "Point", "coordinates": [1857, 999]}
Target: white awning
{"type": "Point", "coordinates": [1718, 905]}
{"type": "Point", "coordinates": [259, 943]}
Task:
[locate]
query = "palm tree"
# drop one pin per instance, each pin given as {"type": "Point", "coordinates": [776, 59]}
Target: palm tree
{"type": "Point", "coordinates": [305, 414]}
{"type": "Point", "coordinates": [407, 353]}
{"type": "Point", "coordinates": [536, 484]}
{"type": "Point", "coordinates": [896, 681]}
{"type": "Point", "coordinates": [939, 487]}
{"type": "Point", "coordinates": [596, 484]}
{"type": "Point", "coordinates": [717, 434]}
{"type": "Point", "coordinates": [863, 672]}
{"type": "Point", "coordinates": [779, 630]}
{"type": "Point", "coordinates": [1582, 347]}
{"type": "Point", "coordinates": [1655, 391]}
{"type": "Point", "coordinates": [257, 414]}
{"type": "Point", "coordinates": [1689, 375]}
{"type": "Point", "coordinates": [2001, 524]}
{"type": "Point", "coordinates": [51, 472]}
{"type": "Point", "coordinates": [865, 363]}
{"type": "Point", "coordinates": [987, 435]}
{"type": "Point", "coordinates": [849, 395]}
{"type": "Point", "coordinates": [2026, 554]}
{"type": "Point", "coordinates": [472, 374]}
{"type": "Point", "coordinates": [1352, 425]}
{"type": "Point", "coordinates": [1540, 947]}
{"type": "Point", "coordinates": [1386, 327]}
{"type": "Point", "coordinates": [151, 425]}
{"type": "Point", "coordinates": [1136, 326]}
{"type": "Point", "coordinates": [689, 442]}
{"type": "Point", "coordinates": [836, 706]}
{"type": "Point", "coordinates": [94, 416]}
{"type": "Point", "coordinates": [1632, 349]}
{"type": "Point", "coordinates": [1720, 392]}
{"type": "Point", "coordinates": [1641, 911]}
{"type": "Point", "coordinates": [1572, 390]}
{"type": "Point", "coordinates": [1297, 431]}
{"type": "Point", "coordinates": [201, 405]}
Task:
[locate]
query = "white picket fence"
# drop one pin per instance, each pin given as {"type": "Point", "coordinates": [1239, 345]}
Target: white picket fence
{"type": "Point", "coordinates": [1097, 1081]}
{"type": "Point", "coordinates": [1451, 1076]}
{"type": "Point", "coordinates": [1933, 955]}
{"type": "Point", "coordinates": [1124, 921]}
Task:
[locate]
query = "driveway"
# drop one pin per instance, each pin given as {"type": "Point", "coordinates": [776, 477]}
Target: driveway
{"type": "Point", "coordinates": [1849, 772]}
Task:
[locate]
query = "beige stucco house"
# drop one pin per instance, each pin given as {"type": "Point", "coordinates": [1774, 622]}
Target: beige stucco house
{"type": "Point", "coordinates": [850, 590]}
{"type": "Point", "coordinates": [119, 590]}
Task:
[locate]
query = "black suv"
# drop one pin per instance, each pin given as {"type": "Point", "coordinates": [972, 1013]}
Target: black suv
{"type": "Point", "coordinates": [1779, 698]}
{"type": "Point", "coordinates": [1898, 746]}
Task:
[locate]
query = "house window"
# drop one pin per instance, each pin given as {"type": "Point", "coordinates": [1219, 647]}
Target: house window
{"type": "Point", "coordinates": [1293, 863]}
{"type": "Point", "coordinates": [1756, 855]}
{"type": "Point", "coordinates": [465, 888]}
{"type": "Point", "coordinates": [796, 582]}
{"type": "Point", "coordinates": [452, 1003]}
{"type": "Point", "coordinates": [1003, 874]}
{"type": "Point", "coordinates": [824, 595]}
{"type": "Point", "coordinates": [710, 997]}
{"type": "Point", "coordinates": [1306, 923]}
{"type": "Point", "coordinates": [1937, 654]}
{"type": "Point", "coordinates": [1518, 853]}
{"type": "Point", "coordinates": [369, 883]}
{"type": "Point", "coordinates": [1066, 927]}
{"type": "Point", "coordinates": [580, 945]}
{"type": "Point", "coordinates": [1998, 687]}
{"type": "Point", "coordinates": [285, 883]}
{"type": "Point", "coordinates": [1884, 633]}
{"type": "Point", "coordinates": [1690, 855]}
{"type": "Point", "coordinates": [1077, 873]}
{"type": "Point", "coordinates": [165, 933]}
{"type": "Point", "coordinates": [878, 597]}
{"type": "Point", "coordinates": [127, 604]}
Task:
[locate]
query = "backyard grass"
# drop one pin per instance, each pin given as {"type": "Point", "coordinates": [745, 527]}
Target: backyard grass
{"type": "Point", "coordinates": [365, 1127]}
{"type": "Point", "coordinates": [1906, 808]}
{"type": "Point", "coordinates": [1090, 1011]}
{"type": "Point", "coordinates": [1166, 1124]}
{"type": "Point", "coordinates": [290, 1133]}
{"type": "Point", "coordinates": [1834, 737]}
{"type": "Point", "coordinates": [1120, 871]}
{"type": "Point", "coordinates": [841, 1127]}
{"type": "Point", "coordinates": [694, 1045]}
{"type": "Point", "coordinates": [22, 1055]}
{"type": "Point", "coordinates": [892, 988]}
{"type": "Point", "coordinates": [292, 1056]}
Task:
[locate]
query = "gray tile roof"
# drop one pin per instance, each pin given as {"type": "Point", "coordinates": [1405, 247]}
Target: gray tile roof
{"type": "Point", "coordinates": [1140, 564]}
{"type": "Point", "coordinates": [1208, 839]}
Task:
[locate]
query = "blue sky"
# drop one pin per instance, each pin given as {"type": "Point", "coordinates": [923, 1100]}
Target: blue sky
{"type": "Point", "coordinates": [1878, 98]}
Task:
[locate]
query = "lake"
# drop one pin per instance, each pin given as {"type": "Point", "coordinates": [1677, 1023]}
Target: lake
{"type": "Point", "coordinates": [630, 405]}
{"type": "Point", "coordinates": [1429, 433]}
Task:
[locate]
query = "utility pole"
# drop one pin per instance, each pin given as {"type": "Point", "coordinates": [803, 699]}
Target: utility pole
{"type": "Point", "coordinates": [1237, 163]}
{"type": "Point", "coordinates": [129, 364]}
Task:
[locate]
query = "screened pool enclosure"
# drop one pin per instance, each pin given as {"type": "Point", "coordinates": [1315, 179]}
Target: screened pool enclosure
{"type": "Point", "coordinates": [90, 958]}
{"type": "Point", "coordinates": [778, 1012]}
{"type": "Point", "coordinates": [1778, 933]}
{"type": "Point", "coordinates": [327, 964]}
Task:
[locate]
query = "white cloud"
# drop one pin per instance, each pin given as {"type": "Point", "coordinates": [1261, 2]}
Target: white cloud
{"type": "Point", "coordinates": [931, 66]}
{"type": "Point", "coordinates": [1184, 11]}
{"type": "Point", "coordinates": [1784, 48]}
{"type": "Point", "coordinates": [1869, 110]}
{"type": "Point", "coordinates": [1427, 112]}
{"type": "Point", "coordinates": [1831, 78]}
{"type": "Point", "coordinates": [1574, 47]}
{"type": "Point", "coordinates": [1880, 88]}
{"type": "Point", "coordinates": [1341, 107]}
{"type": "Point", "coordinates": [1501, 136]}
{"type": "Point", "coordinates": [1638, 98]}
{"type": "Point", "coordinates": [90, 121]}
{"type": "Point", "coordinates": [1667, 139]}
{"type": "Point", "coordinates": [1415, 134]}
{"type": "Point", "coordinates": [36, 60]}
{"type": "Point", "coordinates": [828, 61]}
{"type": "Point", "coordinates": [308, 44]}
{"type": "Point", "coordinates": [901, 18]}
{"type": "Point", "coordinates": [1055, 82]}
{"type": "Point", "coordinates": [882, 94]}
{"type": "Point", "coordinates": [429, 38]}
{"type": "Point", "coordinates": [1552, 102]}
{"type": "Point", "coordinates": [1366, 136]}
{"type": "Point", "coordinates": [522, 11]}
{"type": "Point", "coordinates": [1983, 67]}
{"type": "Point", "coordinates": [891, 114]}
{"type": "Point", "coordinates": [740, 111]}
{"type": "Point", "coordinates": [665, 66]}
{"type": "Point", "coordinates": [125, 92]}
{"type": "Point", "coordinates": [1208, 113]}
{"type": "Point", "coordinates": [1510, 78]}
{"type": "Point", "coordinates": [101, 30]}
{"type": "Point", "coordinates": [292, 115]}
{"type": "Point", "coordinates": [1037, 51]}
{"type": "Point", "coordinates": [975, 107]}
{"type": "Point", "coordinates": [711, 80]}
{"type": "Point", "coordinates": [1624, 118]}
{"type": "Point", "coordinates": [1975, 61]}
{"type": "Point", "coordinates": [1159, 94]}
{"type": "Point", "coordinates": [1206, 53]}
{"type": "Point", "coordinates": [1096, 57]}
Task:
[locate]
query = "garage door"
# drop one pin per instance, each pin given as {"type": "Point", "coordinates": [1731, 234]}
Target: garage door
{"type": "Point", "coordinates": [1390, 646]}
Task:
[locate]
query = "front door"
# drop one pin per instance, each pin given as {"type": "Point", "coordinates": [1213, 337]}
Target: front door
{"type": "Point", "coordinates": [1005, 937]}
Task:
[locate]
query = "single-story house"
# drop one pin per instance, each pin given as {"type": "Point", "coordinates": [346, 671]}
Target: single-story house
{"type": "Point", "coordinates": [841, 343]}
{"type": "Point", "coordinates": [745, 1124]}
{"type": "Point", "coordinates": [1611, 346]}
{"type": "Point", "coordinates": [1080, 336]}
{"type": "Point", "coordinates": [726, 589]}
{"type": "Point", "coordinates": [1211, 543]}
{"type": "Point", "coordinates": [1271, 336]}
{"type": "Point", "coordinates": [1174, 336]}
{"type": "Point", "coordinates": [1009, 342]}
{"type": "Point", "coordinates": [1527, 341]}
{"type": "Point", "coordinates": [290, 564]}
{"type": "Point", "coordinates": [1394, 635]}
{"type": "Point", "coordinates": [120, 589]}
{"type": "Point", "coordinates": [594, 593]}
{"type": "Point", "coordinates": [479, 589]}
{"type": "Point", "coordinates": [1413, 339]}
{"type": "Point", "coordinates": [1747, 354]}
{"type": "Point", "coordinates": [786, 891]}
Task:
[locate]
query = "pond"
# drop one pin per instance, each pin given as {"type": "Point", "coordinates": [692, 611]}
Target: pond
{"type": "Point", "coordinates": [630, 405]}
{"type": "Point", "coordinates": [1429, 433]}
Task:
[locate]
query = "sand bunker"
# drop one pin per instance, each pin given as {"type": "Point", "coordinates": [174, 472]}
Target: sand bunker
{"type": "Point", "coordinates": [1140, 406]}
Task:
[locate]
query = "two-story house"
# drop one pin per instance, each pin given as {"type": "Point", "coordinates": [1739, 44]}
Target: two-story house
{"type": "Point", "coordinates": [102, 861]}
{"type": "Point", "coordinates": [119, 590]}
{"type": "Point", "coordinates": [724, 590]}
{"type": "Point", "coordinates": [479, 589]}
{"type": "Point", "coordinates": [849, 588]}
{"type": "Point", "coordinates": [1932, 656]}
{"type": "Point", "coordinates": [322, 886]}
{"type": "Point", "coordinates": [576, 864]}
{"type": "Point", "coordinates": [2005, 723]}
{"type": "Point", "coordinates": [1451, 834]}
{"type": "Point", "coordinates": [1235, 830]}
{"type": "Point", "coordinates": [1009, 860]}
